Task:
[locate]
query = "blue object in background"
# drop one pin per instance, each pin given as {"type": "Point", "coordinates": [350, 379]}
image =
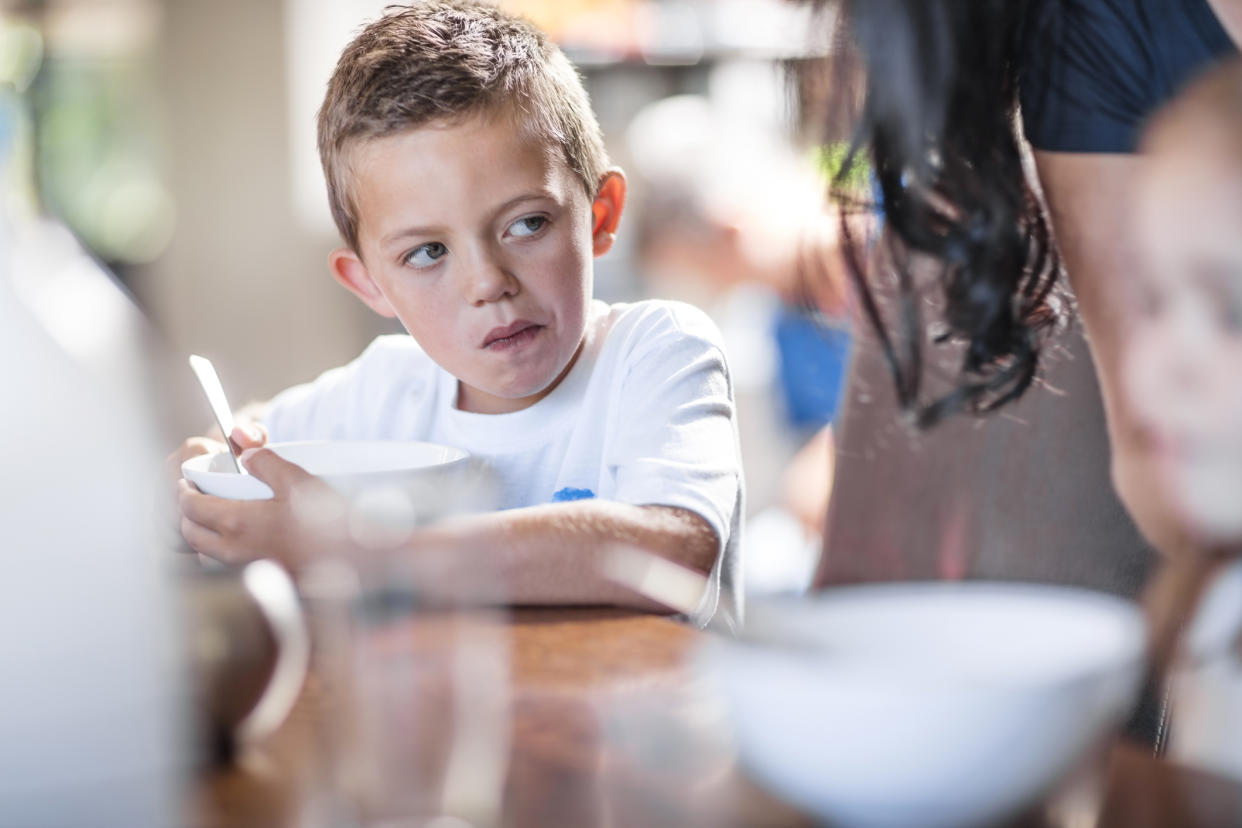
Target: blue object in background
{"type": "Point", "coordinates": [813, 356]}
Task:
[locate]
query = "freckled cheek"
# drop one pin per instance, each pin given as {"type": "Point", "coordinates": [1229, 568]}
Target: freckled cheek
{"type": "Point", "coordinates": [559, 275]}
{"type": "Point", "coordinates": [428, 315]}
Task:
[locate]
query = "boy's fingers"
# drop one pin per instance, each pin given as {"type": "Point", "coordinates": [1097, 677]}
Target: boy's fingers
{"type": "Point", "coordinates": [205, 542]}
{"type": "Point", "coordinates": [201, 539]}
{"type": "Point", "coordinates": [276, 472]}
{"type": "Point", "coordinates": [248, 435]}
{"type": "Point", "coordinates": [214, 513]}
{"type": "Point", "coordinates": [231, 520]}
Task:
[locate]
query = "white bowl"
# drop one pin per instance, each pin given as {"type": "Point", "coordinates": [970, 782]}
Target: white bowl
{"type": "Point", "coordinates": [929, 704]}
{"type": "Point", "coordinates": [350, 467]}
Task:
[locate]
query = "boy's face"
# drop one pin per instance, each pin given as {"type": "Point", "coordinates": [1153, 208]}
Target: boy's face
{"type": "Point", "coordinates": [1184, 360]}
{"type": "Point", "coordinates": [480, 240]}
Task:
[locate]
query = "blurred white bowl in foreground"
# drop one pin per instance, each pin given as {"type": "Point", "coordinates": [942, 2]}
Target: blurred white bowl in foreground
{"type": "Point", "coordinates": [927, 704]}
{"type": "Point", "coordinates": [349, 466]}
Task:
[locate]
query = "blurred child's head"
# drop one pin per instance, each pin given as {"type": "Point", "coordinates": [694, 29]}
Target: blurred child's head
{"type": "Point", "coordinates": [728, 202]}
{"type": "Point", "coordinates": [1184, 360]}
{"type": "Point", "coordinates": [468, 178]}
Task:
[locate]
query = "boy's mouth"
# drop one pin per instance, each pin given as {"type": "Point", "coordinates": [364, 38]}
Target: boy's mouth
{"type": "Point", "coordinates": [513, 334]}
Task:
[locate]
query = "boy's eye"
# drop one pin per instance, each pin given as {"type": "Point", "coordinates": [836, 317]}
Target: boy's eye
{"type": "Point", "coordinates": [425, 255]}
{"type": "Point", "coordinates": [528, 226]}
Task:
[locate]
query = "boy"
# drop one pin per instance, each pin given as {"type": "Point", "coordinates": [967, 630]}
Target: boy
{"type": "Point", "coordinates": [468, 178]}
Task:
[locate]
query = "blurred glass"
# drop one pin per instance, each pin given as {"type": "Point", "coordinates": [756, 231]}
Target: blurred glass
{"type": "Point", "coordinates": [667, 754]}
{"type": "Point", "coordinates": [417, 729]}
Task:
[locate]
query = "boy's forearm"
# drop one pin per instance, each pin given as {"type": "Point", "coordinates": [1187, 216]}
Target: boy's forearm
{"type": "Point", "coordinates": [552, 554]}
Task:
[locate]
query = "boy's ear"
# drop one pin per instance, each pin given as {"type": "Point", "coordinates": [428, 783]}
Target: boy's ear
{"type": "Point", "coordinates": [352, 273]}
{"type": "Point", "coordinates": [606, 211]}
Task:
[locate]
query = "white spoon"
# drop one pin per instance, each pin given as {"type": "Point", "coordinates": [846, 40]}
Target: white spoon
{"type": "Point", "coordinates": [210, 381]}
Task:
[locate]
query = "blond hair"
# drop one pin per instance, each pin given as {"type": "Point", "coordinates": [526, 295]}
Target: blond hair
{"type": "Point", "coordinates": [440, 60]}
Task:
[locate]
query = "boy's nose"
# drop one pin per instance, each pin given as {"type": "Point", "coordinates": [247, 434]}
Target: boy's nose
{"type": "Point", "coordinates": [490, 281]}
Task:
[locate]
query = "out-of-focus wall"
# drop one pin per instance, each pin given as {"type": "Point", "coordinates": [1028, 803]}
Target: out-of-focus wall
{"type": "Point", "coordinates": [242, 281]}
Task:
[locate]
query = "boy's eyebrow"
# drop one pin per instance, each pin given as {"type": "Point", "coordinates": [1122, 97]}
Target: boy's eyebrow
{"type": "Point", "coordinates": [407, 232]}
{"type": "Point", "coordinates": [536, 195]}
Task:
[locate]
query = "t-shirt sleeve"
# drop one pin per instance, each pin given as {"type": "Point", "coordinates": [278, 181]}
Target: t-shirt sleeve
{"type": "Point", "coordinates": [676, 441]}
{"type": "Point", "coordinates": [1093, 71]}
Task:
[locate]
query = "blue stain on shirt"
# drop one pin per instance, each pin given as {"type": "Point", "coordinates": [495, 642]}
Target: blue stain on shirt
{"type": "Point", "coordinates": [569, 493]}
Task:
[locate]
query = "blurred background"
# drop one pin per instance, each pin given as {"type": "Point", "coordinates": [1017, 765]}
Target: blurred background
{"type": "Point", "coordinates": [175, 139]}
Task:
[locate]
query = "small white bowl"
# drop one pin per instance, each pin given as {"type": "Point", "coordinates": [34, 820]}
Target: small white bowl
{"type": "Point", "coordinates": [931, 704]}
{"type": "Point", "coordinates": [349, 466]}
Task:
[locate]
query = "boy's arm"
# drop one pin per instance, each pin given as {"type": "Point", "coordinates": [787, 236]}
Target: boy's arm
{"type": "Point", "coordinates": [554, 553]}
{"type": "Point", "coordinates": [547, 554]}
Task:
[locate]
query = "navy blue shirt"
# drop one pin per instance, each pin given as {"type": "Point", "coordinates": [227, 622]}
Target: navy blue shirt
{"type": "Point", "coordinates": [1096, 69]}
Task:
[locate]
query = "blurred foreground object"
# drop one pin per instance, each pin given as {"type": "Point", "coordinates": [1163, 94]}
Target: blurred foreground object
{"type": "Point", "coordinates": [250, 651]}
{"type": "Point", "coordinates": [91, 699]}
{"type": "Point", "coordinates": [912, 708]}
{"type": "Point", "coordinates": [896, 705]}
{"type": "Point", "coordinates": [415, 692]}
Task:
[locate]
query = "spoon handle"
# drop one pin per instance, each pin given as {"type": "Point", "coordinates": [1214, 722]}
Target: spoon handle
{"type": "Point", "coordinates": [210, 382]}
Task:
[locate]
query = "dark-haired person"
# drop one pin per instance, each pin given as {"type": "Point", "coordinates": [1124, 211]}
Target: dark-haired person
{"type": "Point", "coordinates": [944, 133]}
{"type": "Point", "coordinates": [1024, 493]}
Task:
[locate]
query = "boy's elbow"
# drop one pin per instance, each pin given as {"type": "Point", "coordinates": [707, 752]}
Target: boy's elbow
{"type": "Point", "coordinates": [689, 539]}
{"type": "Point", "coordinates": [703, 548]}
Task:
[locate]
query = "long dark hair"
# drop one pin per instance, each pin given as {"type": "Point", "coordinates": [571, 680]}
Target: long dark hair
{"type": "Point", "coordinates": [937, 121]}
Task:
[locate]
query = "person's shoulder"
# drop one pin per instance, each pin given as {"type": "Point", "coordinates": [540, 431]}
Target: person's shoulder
{"type": "Point", "coordinates": [1094, 70]}
{"type": "Point", "coordinates": [662, 319]}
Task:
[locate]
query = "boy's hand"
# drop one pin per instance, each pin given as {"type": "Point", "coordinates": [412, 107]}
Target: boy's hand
{"type": "Point", "coordinates": [305, 520]}
{"type": "Point", "coordinates": [244, 436]}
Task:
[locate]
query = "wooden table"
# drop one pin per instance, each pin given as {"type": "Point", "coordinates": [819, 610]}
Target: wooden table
{"type": "Point", "coordinates": [606, 727]}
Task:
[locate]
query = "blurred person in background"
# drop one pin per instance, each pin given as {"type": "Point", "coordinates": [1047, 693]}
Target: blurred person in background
{"type": "Point", "coordinates": [1182, 377]}
{"type": "Point", "coordinates": [730, 219]}
{"type": "Point", "coordinates": [965, 226]}
{"type": "Point", "coordinates": [965, 297]}
{"type": "Point", "coordinates": [1183, 355]}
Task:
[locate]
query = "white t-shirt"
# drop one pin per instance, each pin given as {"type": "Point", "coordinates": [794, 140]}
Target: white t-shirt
{"type": "Point", "coordinates": [645, 416]}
